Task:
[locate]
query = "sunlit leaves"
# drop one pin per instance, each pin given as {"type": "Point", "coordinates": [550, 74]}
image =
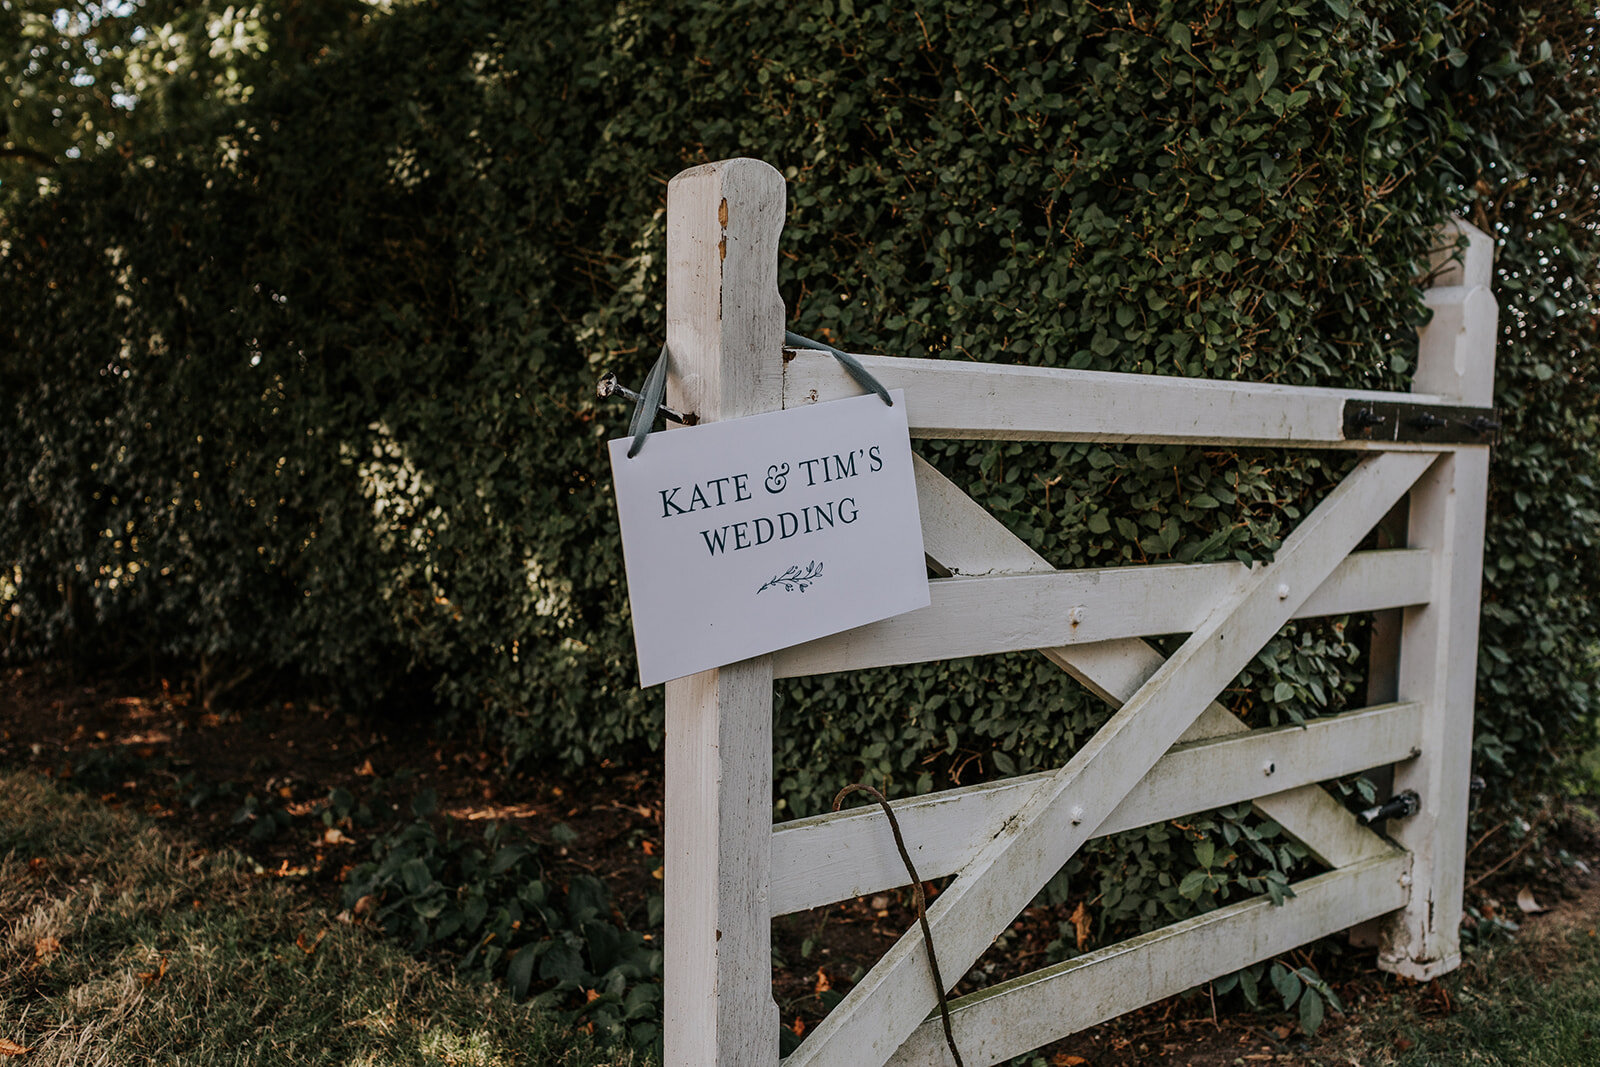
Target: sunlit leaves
{"type": "Point", "coordinates": [87, 77]}
{"type": "Point", "coordinates": [321, 371]}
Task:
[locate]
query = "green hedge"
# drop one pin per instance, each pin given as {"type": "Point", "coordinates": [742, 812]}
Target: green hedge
{"type": "Point", "coordinates": [307, 385]}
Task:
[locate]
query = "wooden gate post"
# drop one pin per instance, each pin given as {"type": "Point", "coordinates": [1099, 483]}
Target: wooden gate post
{"type": "Point", "coordinates": [1439, 640]}
{"type": "Point", "coordinates": [725, 331]}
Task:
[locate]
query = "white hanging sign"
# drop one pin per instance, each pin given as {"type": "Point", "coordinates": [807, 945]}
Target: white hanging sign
{"type": "Point", "coordinates": [750, 535]}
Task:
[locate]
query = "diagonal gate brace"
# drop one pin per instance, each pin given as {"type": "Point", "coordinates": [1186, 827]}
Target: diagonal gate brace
{"type": "Point", "coordinates": [961, 536]}
{"type": "Point", "coordinates": [877, 1016]}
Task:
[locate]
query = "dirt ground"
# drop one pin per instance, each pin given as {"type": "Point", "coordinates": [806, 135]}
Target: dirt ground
{"type": "Point", "coordinates": [151, 747]}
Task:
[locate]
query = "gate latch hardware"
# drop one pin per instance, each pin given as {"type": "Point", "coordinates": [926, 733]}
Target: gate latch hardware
{"type": "Point", "coordinates": [1405, 421]}
{"type": "Point", "coordinates": [1399, 807]}
{"type": "Point", "coordinates": [609, 387]}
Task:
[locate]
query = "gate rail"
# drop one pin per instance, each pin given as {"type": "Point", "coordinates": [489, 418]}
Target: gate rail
{"type": "Point", "coordinates": [1169, 750]}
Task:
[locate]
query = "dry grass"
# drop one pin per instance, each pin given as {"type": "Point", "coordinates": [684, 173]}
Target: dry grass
{"type": "Point", "coordinates": [121, 945]}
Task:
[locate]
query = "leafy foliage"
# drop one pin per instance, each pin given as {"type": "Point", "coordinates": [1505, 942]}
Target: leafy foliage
{"type": "Point", "coordinates": [307, 388]}
{"type": "Point", "coordinates": [87, 77]}
{"type": "Point", "coordinates": [127, 944]}
{"type": "Point", "coordinates": [491, 903]}
{"type": "Point", "coordinates": [1295, 985]}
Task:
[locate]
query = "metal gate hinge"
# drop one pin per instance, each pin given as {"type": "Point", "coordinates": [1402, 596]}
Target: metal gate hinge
{"type": "Point", "coordinates": [1406, 421]}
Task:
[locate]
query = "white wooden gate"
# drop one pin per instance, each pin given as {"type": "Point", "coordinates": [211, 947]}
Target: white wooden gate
{"type": "Point", "coordinates": [1168, 751]}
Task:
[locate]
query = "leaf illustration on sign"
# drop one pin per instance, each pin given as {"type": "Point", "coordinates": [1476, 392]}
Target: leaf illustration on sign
{"type": "Point", "coordinates": [794, 578]}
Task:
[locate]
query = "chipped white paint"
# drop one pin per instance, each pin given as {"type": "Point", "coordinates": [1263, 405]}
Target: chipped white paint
{"type": "Point", "coordinates": [882, 1010]}
{"type": "Point", "coordinates": [1439, 641]}
{"type": "Point", "coordinates": [725, 330]}
{"type": "Point", "coordinates": [827, 858]}
{"type": "Point", "coordinates": [956, 400]}
{"type": "Point", "coordinates": [1008, 613]}
{"type": "Point", "coordinates": [962, 538]}
{"type": "Point", "coordinates": [1007, 1020]}
{"type": "Point", "coordinates": [1169, 750]}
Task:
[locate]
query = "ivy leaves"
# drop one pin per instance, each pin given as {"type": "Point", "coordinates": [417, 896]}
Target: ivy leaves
{"type": "Point", "coordinates": [1293, 985]}
{"type": "Point", "coordinates": [492, 903]}
{"type": "Point", "coordinates": [329, 417]}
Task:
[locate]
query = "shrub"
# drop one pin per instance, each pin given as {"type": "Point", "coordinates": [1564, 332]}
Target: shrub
{"type": "Point", "coordinates": [308, 388]}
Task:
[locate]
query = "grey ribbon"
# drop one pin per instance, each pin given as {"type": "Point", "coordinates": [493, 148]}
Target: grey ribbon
{"type": "Point", "coordinates": [650, 400]}
{"type": "Point", "coordinates": [654, 392]}
{"type": "Point", "coordinates": [852, 366]}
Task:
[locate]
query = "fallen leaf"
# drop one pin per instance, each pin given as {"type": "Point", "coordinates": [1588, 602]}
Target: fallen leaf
{"type": "Point", "coordinates": [150, 978]}
{"type": "Point", "coordinates": [1081, 923]}
{"type": "Point", "coordinates": [1527, 904]}
{"type": "Point", "coordinates": [308, 947]}
{"type": "Point", "coordinates": [365, 904]}
{"type": "Point", "coordinates": [591, 995]}
{"type": "Point", "coordinates": [365, 770]}
{"type": "Point", "coordinates": [1065, 1059]}
{"type": "Point", "coordinates": [824, 983]}
{"type": "Point", "coordinates": [11, 1048]}
{"type": "Point", "coordinates": [45, 946]}
{"type": "Point", "coordinates": [335, 836]}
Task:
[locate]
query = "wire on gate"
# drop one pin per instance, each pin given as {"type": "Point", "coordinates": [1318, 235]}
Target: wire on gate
{"type": "Point", "coordinates": [921, 901]}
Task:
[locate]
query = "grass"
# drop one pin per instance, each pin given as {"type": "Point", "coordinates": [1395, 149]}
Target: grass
{"type": "Point", "coordinates": [123, 944]}
{"type": "Point", "coordinates": [1532, 1001]}
{"type": "Point", "coordinates": [120, 944]}
{"type": "Point", "coordinates": [1526, 1004]}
